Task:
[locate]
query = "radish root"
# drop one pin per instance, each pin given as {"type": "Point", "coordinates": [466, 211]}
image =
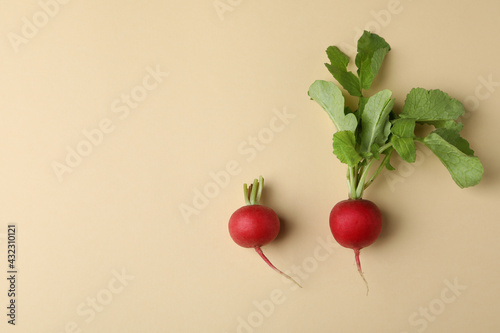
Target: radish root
{"type": "Point", "coordinates": [259, 251]}
{"type": "Point", "coordinates": [358, 263]}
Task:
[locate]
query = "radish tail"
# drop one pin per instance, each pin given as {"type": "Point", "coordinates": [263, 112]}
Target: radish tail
{"type": "Point", "coordinates": [358, 263]}
{"type": "Point", "coordinates": [259, 251]}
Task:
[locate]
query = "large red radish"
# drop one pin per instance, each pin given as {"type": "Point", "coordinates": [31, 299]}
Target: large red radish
{"type": "Point", "coordinates": [355, 224]}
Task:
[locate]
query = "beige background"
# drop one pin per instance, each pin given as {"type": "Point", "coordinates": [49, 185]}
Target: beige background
{"type": "Point", "coordinates": [106, 249]}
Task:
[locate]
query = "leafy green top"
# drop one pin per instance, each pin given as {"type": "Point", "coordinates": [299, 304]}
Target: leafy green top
{"type": "Point", "coordinates": [374, 129]}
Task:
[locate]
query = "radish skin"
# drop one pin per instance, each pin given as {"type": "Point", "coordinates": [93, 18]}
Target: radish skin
{"type": "Point", "coordinates": [254, 225]}
{"type": "Point", "coordinates": [356, 224]}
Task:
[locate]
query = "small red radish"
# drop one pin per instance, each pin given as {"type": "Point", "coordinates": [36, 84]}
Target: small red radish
{"type": "Point", "coordinates": [255, 225]}
{"type": "Point", "coordinates": [355, 224]}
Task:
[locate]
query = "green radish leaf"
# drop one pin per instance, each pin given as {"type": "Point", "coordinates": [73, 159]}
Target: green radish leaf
{"type": "Point", "coordinates": [372, 50]}
{"type": "Point", "coordinates": [374, 120]}
{"type": "Point", "coordinates": [375, 151]}
{"type": "Point", "coordinates": [330, 98]}
{"type": "Point", "coordinates": [454, 138]}
{"type": "Point", "coordinates": [386, 162]}
{"type": "Point", "coordinates": [404, 127]}
{"type": "Point", "coordinates": [388, 165]}
{"type": "Point", "coordinates": [466, 170]}
{"type": "Point", "coordinates": [344, 147]}
{"type": "Point", "coordinates": [431, 105]}
{"type": "Point", "coordinates": [405, 148]}
{"type": "Point", "coordinates": [403, 132]}
{"type": "Point", "coordinates": [361, 106]}
{"type": "Point", "coordinates": [387, 130]}
{"type": "Point", "coordinates": [338, 68]}
{"type": "Point", "coordinates": [450, 124]}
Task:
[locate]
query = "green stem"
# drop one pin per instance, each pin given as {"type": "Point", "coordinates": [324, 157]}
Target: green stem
{"type": "Point", "coordinates": [245, 193]}
{"type": "Point", "coordinates": [253, 192]}
{"type": "Point", "coordinates": [356, 178]}
{"type": "Point", "coordinates": [352, 183]}
{"type": "Point", "coordinates": [361, 184]}
{"type": "Point", "coordinates": [359, 171]}
{"type": "Point", "coordinates": [379, 169]}
{"type": "Point", "coordinates": [357, 189]}
{"type": "Point", "coordinates": [348, 179]}
{"type": "Point", "coordinates": [418, 138]}
{"type": "Point", "coordinates": [384, 147]}
{"type": "Point", "coordinates": [259, 190]}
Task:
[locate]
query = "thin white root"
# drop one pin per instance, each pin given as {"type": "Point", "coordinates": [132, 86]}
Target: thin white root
{"type": "Point", "coordinates": [358, 263]}
{"type": "Point", "coordinates": [366, 282]}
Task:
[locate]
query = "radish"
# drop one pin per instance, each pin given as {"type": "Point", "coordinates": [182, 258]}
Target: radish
{"type": "Point", "coordinates": [356, 224]}
{"type": "Point", "coordinates": [254, 225]}
{"type": "Point", "coordinates": [366, 137]}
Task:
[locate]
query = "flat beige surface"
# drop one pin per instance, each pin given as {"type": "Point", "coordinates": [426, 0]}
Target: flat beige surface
{"type": "Point", "coordinates": [116, 115]}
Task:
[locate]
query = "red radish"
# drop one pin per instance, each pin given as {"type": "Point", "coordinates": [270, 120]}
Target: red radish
{"type": "Point", "coordinates": [355, 224]}
{"type": "Point", "coordinates": [255, 225]}
{"type": "Point", "coordinates": [374, 129]}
